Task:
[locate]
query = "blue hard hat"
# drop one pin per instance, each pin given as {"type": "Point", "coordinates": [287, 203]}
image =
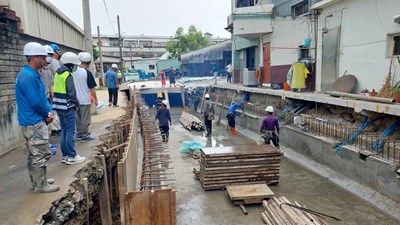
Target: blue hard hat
{"type": "Point", "coordinates": [55, 47]}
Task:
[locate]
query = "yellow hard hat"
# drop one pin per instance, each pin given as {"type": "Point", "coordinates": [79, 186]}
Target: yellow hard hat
{"type": "Point", "coordinates": [159, 95]}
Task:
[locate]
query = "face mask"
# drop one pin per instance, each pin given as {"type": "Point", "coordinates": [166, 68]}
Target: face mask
{"type": "Point", "coordinates": [49, 59]}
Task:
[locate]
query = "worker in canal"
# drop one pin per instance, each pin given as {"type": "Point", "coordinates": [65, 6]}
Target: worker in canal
{"type": "Point", "coordinates": [208, 114]}
{"type": "Point", "coordinates": [269, 128]}
{"type": "Point", "coordinates": [231, 114]}
{"type": "Point", "coordinates": [164, 120]}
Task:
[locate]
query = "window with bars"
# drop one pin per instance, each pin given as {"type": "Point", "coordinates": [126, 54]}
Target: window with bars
{"type": "Point", "coordinates": [300, 8]}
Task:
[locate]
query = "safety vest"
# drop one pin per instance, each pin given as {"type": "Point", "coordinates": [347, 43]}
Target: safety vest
{"type": "Point", "coordinates": [60, 99]}
{"type": "Point", "coordinates": [119, 74]}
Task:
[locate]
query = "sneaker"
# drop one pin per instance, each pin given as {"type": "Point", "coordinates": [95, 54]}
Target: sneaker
{"type": "Point", "coordinates": [79, 136]}
{"type": "Point", "coordinates": [75, 160]}
{"type": "Point", "coordinates": [64, 159]}
{"type": "Point", "coordinates": [53, 146]}
{"type": "Point", "coordinates": [87, 138]}
{"type": "Point", "coordinates": [53, 151]}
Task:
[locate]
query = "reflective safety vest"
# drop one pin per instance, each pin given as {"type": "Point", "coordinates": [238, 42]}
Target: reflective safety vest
{"type": "Point", "coordinates": [60, 99]}
{"type": "Point", "coordinates": [119, 74]}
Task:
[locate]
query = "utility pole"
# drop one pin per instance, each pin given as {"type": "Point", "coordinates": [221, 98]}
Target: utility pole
{"type": "Point", "coordinates": [99, 44]}
{"type": "Point", "coordinates": [121, 60]}
{"type": "Point", "coordinates": [87, 28]}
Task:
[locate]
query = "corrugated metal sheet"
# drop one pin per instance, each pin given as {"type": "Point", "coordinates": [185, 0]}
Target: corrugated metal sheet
{"type": "Point", "coordinates": [40, 18]}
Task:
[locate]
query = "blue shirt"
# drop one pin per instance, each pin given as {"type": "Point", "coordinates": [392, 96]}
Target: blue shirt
{"type": "Point", "coordinates": [233, 107]}
{"type": "Point", "coordinates": [163, 116]}
{"type": "Point", "coordinates": [111, 76]}
{"type": "Point", "coordinates": [32, 103]}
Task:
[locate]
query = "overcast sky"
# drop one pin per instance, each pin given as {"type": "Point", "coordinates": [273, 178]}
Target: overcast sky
{"type": "Point", "coordinates": [151, 17]}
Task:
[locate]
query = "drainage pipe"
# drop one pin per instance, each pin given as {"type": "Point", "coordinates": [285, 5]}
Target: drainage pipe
{"type": "Point", "coordinates": [362, 97]}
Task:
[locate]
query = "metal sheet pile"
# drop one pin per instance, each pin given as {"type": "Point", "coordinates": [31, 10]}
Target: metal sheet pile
{"type": "Point", "coordinates": [155, 158]}
{"type": "Point", "coordinates": [220, 166]}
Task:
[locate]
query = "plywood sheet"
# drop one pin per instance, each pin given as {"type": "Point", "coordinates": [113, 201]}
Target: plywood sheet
{"type": "Point", "coordinates": [239, 192]}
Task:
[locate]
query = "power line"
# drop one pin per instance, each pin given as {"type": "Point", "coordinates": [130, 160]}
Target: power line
{"type": "Point", "coordinates": [109, 18]}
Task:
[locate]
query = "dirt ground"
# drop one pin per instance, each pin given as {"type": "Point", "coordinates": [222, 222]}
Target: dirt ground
{"type": "Point", "coordinates": [196, 206]}
{"type": "Point", "coordinates": [18, 203]}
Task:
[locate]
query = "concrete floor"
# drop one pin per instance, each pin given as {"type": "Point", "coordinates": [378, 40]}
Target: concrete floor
{"type": "Point", "coordinates": [196, 206]}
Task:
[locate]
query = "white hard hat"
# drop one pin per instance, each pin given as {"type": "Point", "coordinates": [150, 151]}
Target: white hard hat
{"type": "Point", "coordinates": [269, 109]}
{"type": "Point", "coordinates": [207, 96]}
{"type": "Point", "coordinates": [165, 102]}
{"type": "Point", "coordinates": [34, 48]}
{"type": "Point", "coordinates": [115, 66]}
{"type": "Point", "coordinates": [85, 57]}
{"type": "Point", "coordinates": [69, 58]}
{"type": "Point", "coordinates": [49, 49]}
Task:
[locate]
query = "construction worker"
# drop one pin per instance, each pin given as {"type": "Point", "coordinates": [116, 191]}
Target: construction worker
{"type": "Point", "coordinates": [208, 114]}
{"type": "Point", "coordinates": [158, 102]}
{"type": "Point", "coordinates": [119, 74]}
{"type": "Point", "coordinates": [269, 128]}
{"type": "Point", "coordinates": [47, 78]}
{"type": "Point", "coordinates": [65, 102]}
{"type": "Point", "coordinates": [163, 116]}
{"type": "Point", "coordinates": [231, 116]}
{"type": "Point", "coordinates": [54, 65]}
{"type": "Point", "coordinates": [228, 70]}
{"type": "Point", "coordinates": [171, 74]}
{"type": "Point", "coordinates": [34, 112]}
{"type": "Point", "coordinates": [84, 85]}
{"type": "Point", "coordinates": [112, 85]}
{"type": "Point", "coordinates": [162, 78]}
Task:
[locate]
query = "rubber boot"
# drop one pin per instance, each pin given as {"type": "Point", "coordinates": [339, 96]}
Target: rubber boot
{"type": "Point", "coordinates": [39, 175]}
{"type": "Point", "coordinates": [234, 132]}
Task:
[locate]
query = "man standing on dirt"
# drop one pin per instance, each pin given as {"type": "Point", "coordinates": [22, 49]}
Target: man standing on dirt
{"type": "Point", "coordinates": [112, 85]}
{"type": "Point", "coordinates": [34, 112]}
{"type": "Point", "coordinates": [269, 128]}
{"type": "Point", "coordinates": [163, 116]}
{"type": "Point", "coordinates": [84, 85]}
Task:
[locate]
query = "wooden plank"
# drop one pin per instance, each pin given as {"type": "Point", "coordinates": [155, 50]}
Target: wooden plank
{"type": "Point", "coordinates": [239, 150]}
{"type": "Point", "coordinates": [238, 192]}
{"type": "Point", "coordinates": [140, 208]}
{"type": "Point", "coordinates": [222, 108]}
{"type": "Point", "coordinates": [167, 97]}
{"type": "Point", "coordinates": [243, 209]}
{"type": "Point", "coordinates": [162, 209]}
{"type": "Point", "coordinates": [104, 197]}
{"type": "Point", "coordinates": [121, 191]}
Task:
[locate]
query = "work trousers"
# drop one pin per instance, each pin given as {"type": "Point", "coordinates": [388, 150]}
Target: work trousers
{"type": "Point", "coordinates": [208, 124]}
{"type": "Point", "coordinates": [38, 150]}
{"type": "Point", "coordinates": [83, 120]}
{"type": "Point", "coordinates": [270, 136]}
{"type": "Point", "coordinates": [55, 125]}
{"type": "Point", "coordinates": [113, 96]}
{"type": "Point", "coordinates": [231, 120]}
{"type": "Point", "coordinates": [229, 78]}
{"type": "Point", "coordinates": [164, 131]}
{"type": "Point", "coordinates": [67, 138]}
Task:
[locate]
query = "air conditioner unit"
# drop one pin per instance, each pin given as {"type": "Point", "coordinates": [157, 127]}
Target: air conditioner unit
{"type": "Point", "coordinates": [249, 78]}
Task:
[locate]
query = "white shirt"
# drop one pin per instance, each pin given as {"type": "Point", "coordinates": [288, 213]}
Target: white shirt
{"type": "Point", "coordinates": [81, 86]}
{"type": "Point", "coordinates": [228, 68]}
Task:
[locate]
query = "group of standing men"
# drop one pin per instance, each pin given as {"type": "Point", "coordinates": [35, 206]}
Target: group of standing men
{"type": "Point", "coordinates": [44, 87]}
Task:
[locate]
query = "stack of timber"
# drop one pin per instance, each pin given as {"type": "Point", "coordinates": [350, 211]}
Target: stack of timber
{"type": "Point", "coordinates": [191, 122]}
{"type": "Point", "coordinates": [277, 212]}
{"type": "Point", "coordinates": [249, 164]}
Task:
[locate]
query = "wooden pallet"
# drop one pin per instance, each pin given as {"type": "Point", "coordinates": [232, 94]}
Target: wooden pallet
{"type": "Point", "coordinates": [243, 194]}
{"type": "Point", "coordinates": [221, 166]}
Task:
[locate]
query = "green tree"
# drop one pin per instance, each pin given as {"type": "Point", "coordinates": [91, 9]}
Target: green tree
{"type": "Point", "coordinates": [96, 53]}
{"type": "Point", "coordinates": [190, 41]}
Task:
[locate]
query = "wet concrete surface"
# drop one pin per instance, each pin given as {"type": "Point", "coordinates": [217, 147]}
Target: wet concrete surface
{"type": "Point", "coordinates": [18, 203]}
{"type": "Point", "coordinates": [196, 206]}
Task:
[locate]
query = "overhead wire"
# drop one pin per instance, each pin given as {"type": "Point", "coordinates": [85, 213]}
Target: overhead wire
{"type": "Point", "coordinates": [108, 14]}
